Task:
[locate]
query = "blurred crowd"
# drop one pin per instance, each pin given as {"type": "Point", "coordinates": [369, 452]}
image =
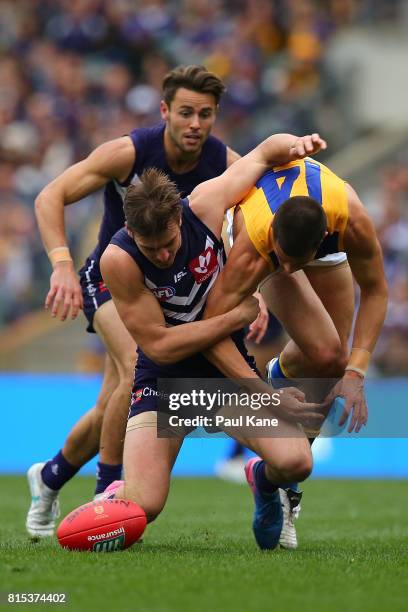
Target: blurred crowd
{"type": "Point", "coordinates": [392, 229]}
{"type": "Point", "coordinates": [75, 73]}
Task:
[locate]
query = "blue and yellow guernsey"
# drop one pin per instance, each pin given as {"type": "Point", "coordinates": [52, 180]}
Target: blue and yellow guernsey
{"type": "Point", "coordinates": [305, 177]}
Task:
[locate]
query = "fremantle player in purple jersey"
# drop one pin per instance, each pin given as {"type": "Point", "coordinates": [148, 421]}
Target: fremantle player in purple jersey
{"type": "Point", "coordinates": [184, 149]}
{"type": "Point", "coordinates": [160, 270]}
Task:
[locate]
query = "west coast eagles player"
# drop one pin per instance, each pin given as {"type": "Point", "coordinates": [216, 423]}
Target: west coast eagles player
{"type": "Point", "coordinates": [303, 234]}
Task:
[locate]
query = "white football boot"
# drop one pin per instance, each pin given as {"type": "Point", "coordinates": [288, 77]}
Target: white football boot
{"type": "Point", "coordinates": [44, 509]}
{"type": "Point", "coordinates": [290, 501]}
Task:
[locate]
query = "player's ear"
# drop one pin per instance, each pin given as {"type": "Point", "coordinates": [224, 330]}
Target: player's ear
{"type": "Point", "coordinates": [128, 230]}
{"type": "Point", "coordinates": [164, 110]}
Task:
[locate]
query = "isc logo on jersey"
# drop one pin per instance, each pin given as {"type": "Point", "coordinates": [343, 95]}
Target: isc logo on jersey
{"type": "Point", "coordinates": [204, 266]}
{"type": "Point", "coordinates": [164, 293]}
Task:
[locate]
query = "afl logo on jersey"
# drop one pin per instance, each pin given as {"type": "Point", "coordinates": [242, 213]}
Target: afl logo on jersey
{"type": "Point", "coordinates": [164, 293]}
{"type": "Point", "coordinates": [204, 266]}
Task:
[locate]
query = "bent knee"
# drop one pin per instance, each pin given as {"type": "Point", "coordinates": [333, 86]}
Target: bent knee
{"type": "Point", "coordinates": [330, 360]}
{"type": "Point", "coordinates": [296, 468]}
{"type": "Point", "coordinates": [151, 504]}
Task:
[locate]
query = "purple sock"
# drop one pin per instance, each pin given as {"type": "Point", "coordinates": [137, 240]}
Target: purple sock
{"type": "Point", "coordinates": [57, 472]}
{"type": "Point", "coordinates": [105, 474]}
{"type": "Point", "coordinates": [263, 484]}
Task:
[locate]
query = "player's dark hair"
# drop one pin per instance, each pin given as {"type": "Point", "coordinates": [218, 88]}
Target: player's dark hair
{"type": "Point", "coordinates": [152, 204]}
{"type": "Point", "coordinates": [299, 226]}
{"type": "Point", "coordinates": [195, 78]}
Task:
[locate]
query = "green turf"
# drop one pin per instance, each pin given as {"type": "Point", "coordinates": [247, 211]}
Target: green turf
{"type": "Point", "coordinates": [200, 554]}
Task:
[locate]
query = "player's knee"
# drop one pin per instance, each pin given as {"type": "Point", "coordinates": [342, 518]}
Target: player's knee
{"type": "Point", "coordinates": [334, 362]}
{"type": "Point", "coordinates": [151, 503]}
{"type": "Point", "coordinates": [152, 511]}
{"type": "Point", "coordinates": [328, 359]}
{"type": "Point", "coordinates": [295, 467]}
{"type": "Point", "coordinates": [300, 467]}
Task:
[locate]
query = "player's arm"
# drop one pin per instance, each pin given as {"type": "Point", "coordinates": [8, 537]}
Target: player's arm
{"type": "Point", "coordinates": [111, 160]}
{"type": "Point", "coordinates": [232, 156]}
{"type": "Point", "coordinates": [365, 259]}
{"type": "Point", "coordinates": [142, 315]}
{"type": "Point", "coordinates": [211, 199]}
{"type": "Point", "coordinates": [240, 277]}
{"type": "Point", "coordinates": [257, 329]}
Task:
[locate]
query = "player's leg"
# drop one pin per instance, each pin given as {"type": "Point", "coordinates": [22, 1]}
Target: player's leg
{"type": "Point", "coordinates": [335, 288]}
{"type": "Point", "coordinates": [280, 462]}
{"type": "Point", "coordinates": [45, 479]}
{"type": "Point", "coordinates": [83, 440]}
{"type": "Point", "coordinates": [148, 461]}
{"type": "Point", "coordinates": [315, 348]}
{"type": "Point", "coordinates": [313, 351]}
{"type": "Point", "coordinates": [122, 351]}
{"type": "Point", "coordinates": [333, 285]}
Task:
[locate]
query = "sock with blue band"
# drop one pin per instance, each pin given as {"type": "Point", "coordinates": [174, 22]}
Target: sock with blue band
{"type": "Point", "coordinates": [106, 474]}
{"type": "Point", "coordinates": [58, 471]}
{"type": "Point", "coordinates": [278, 378]}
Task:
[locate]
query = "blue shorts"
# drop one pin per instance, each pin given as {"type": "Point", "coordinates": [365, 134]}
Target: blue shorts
{"type": "Point", "coordinates": [94, 291]}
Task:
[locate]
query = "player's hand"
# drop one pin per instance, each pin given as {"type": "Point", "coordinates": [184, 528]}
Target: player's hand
{"type": "Point", "coordinates": [307, 145]}
{"type": "Point", "coordinates": [248, 310]}
{"type": "Point", "coordinates": [293, 408]}
{"type": "Point", "coordinates": [65, 293]}
{"type": "Point", "coordinates": [258, 328]}
{"type": "Point", "coordinates": [351, 389]}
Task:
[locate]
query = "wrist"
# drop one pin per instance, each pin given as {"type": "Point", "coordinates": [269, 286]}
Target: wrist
{"type": "Point", "coordinates": [59, 255]}
{"type": "Point", "coordinates": [359, 361]}
{"type": "Point", "coordinates": [354, 373]}
{"type": "Point", "coordinates": [63, 264]}
{"type": "Point", "coordinates": [236, 318]}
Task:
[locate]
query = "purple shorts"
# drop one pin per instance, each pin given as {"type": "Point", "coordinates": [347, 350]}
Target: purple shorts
{"type": "Point", "coordinates": [94, 291]}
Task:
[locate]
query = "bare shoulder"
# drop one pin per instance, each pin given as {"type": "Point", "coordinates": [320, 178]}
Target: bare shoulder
{"type": "Point", "coordinates": [207, 201]}
{"type": "Point", "coordinates": [119, 270]}
{"type": "Point", "coordinates": [359, 236]}
{"type": "Point", "coordinates": [115, 157]}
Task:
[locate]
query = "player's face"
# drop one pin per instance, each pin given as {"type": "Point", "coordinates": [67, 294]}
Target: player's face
{"type": "Point", "coordinates": [291, 264]}
{"type": "Point", "coordinates": [161, 250]}
{"type": "Point", "coordinates": [189, 117]}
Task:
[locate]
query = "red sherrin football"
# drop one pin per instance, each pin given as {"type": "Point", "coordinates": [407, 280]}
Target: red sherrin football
{"type": "Point", "coordinates": [102, 526]}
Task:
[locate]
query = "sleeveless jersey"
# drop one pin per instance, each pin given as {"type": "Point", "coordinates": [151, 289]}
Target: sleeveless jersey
{"type": "Point", "coordinates": [149, 147]}
{"type": "Point", "coordinates": [305, 177]}
{"type": "Point", "coordinates": [183, 288]}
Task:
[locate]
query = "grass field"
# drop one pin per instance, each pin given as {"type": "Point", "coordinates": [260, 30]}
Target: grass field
{"type": "Point", "coordinates": [200, 554]}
